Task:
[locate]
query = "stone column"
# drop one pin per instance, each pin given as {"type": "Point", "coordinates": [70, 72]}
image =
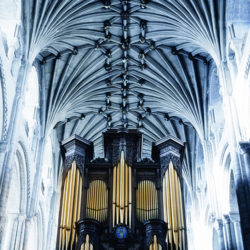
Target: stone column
{"type": "Point", "coordinates": [219, 230]}
{"type": "Point", "coordinates": [9, 146]}
{"type": "Point", "coordinates": [245, 148]}
{"type": "Point", "coordinates": [28, 227]}
{"type": "Point", "coordinates": [243, 194]}
{"type": "Point", "coordinates": [228, 234]}
{"type": "Point", "coordinates": [235, 218]}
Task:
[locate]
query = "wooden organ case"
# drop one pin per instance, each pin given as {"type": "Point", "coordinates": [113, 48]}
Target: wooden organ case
{"type": "Point", "coordinates": [122, 201]}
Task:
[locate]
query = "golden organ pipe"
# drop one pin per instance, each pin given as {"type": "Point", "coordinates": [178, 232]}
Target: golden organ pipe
{"type": "Point", "coordinates": [147, 192]}
{"type": "Point", "coordinates": [178, 208]}
{"type": "Point", "coordinates": [103, 201]}
{"type": "Point", "coordinates": [126, 194]}
{"type": "Point", "coordinates": [72, 219]}
{"type": "Point", "coordinates": [141, 201]}
{"type": "Point", "coordinates": [68, 207]}
{"type": "Point", "coordinates": [114, 194]}
{"type": "Point", "coordinates": [95, 184]}
{"type": "Point", "coordinates": [87, 242]}
{"type": "Point", "coordinates": [73, 174]}
{"type": "Point", "coordinates": [89, 192]}
{"type": "Point", "coordinates": [156, 203]}
{"type": "Point", "coordinates": [182, 219]}
{"type": "Point", "coordinates": [122, 193]}
{"type": "Point", "coordinates": [79, 198]}
{"type": "Point", "coordinates": [173, 204]}
{"type": "Point", "coordinates": [75, 201]}
{"type": "Point", "coordinates": [173, 211]}
{"type": "Point", "coordinates": [122, 188]}
{"type": "Point", "coordinates": [130, 196]}
{"type": "Point", "coordinates": [101, 195]}
{"type": "Point", "coordinates": [72, 183]}
{"type": "Point", "coordinates": [62, 238]}
{"type": "Point", "coordinates": [155, 243]}
{"type": "Point", "coordinates": [61, 219]}
{"type": "Point", "coordinates": [118, 194]}
{"type": "Point", "coordinates": [169, 209]}
{"type": "Point", "coordinates": [146, 201]}
{"type": "Point", "coordinates": [97, 200]}
{"type": "Point", "coordinates": [164, 200]}
{"type": "Point", "coordinates": [94, 199]}
{"type": "Point", "coordinates": [152, 203]}
{"type": "Point", "coordinates": [83, 246]}
{"type": "Point", "coordinates": [92, 193]}
{"type": "Point", "coordinates": [71, 203]}
{"type": "Point", "coordinates": [106, 205]}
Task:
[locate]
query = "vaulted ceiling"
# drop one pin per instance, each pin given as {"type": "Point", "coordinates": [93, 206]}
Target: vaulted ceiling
{"type": "Point", "coordinates": [135, 64]}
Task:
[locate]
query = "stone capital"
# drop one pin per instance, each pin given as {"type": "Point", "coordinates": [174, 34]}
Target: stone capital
{"type": "Point", "coordinates": [235, 217]}
{"type": "Point", "coordinates": [218, 224]}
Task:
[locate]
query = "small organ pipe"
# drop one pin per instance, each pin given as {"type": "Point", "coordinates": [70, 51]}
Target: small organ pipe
{"type": "Point", "coordinates": [97, 201]}
{"type": "Point", "coordinates": [114, 194]}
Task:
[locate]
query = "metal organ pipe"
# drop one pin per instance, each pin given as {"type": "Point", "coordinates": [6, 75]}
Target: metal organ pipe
{"type": "Point", "coordinates": [146, 201]}
{"type": "Point", "coordinates": [173, 209]}
{"type": "Point", "coordinates": [155, 245]}
{"type": "Point", "coordinates": [70, 208]}
{"type": "Point", "coordinates": [97, 201]}
{"type": "Point", "coordinates": [122, 193]}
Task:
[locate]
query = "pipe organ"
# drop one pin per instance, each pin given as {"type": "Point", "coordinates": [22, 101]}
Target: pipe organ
{"type": "Point", "coordinates": [122, 201]}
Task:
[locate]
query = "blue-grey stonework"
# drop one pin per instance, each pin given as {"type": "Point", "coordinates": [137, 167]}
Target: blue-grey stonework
{"type": "Point", "coordinates": [162, 67]}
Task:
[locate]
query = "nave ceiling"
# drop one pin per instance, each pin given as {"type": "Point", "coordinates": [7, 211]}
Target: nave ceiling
{"type": "Point", "coordinates": [133, 64]}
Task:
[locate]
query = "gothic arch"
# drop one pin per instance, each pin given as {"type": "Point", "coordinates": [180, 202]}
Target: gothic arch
{"type": "Point", "coordinates": [17, 202]}
{"type": "Point", "coordinates": [40, 228]}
